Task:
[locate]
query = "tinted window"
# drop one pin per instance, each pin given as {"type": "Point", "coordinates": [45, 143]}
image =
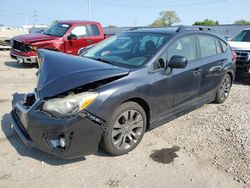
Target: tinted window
{"type": "Point", "coordinates": [224, 46]}
{"type": "Point", "coordinates": [80, 31]}
{"type": "Point", "coordinates": [207, 45]}
{"type": "Point", "coordinates": [218, 46]}
{"type": "Point", "coordinates": [128, 49]}
{"type": "Point", "coordinates": [95, 30]}
{"type": "Point", "coordinates": [58, 29]}
{"type": "Point", "coordinates": [155, 40]}
{"type": "Point", "coordinates": [243, 36]}
{"type": "Point", "coordinates": [184, 46]}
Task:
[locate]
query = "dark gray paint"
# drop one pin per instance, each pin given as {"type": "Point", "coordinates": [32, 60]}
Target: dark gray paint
{"type": "Point", "coordinates": [163, 95]}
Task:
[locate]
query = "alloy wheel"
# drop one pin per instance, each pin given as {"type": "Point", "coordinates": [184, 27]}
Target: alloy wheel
{"type": "Point", "coordinates": [225, 87]}
{"type": "Point", "coordinates": [127, 130]}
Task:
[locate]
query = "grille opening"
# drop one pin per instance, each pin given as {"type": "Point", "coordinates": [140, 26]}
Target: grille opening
{"type": "Point", "coordinates": [29, 99]}
{"type": "Point", "coordinates": [20, 46]}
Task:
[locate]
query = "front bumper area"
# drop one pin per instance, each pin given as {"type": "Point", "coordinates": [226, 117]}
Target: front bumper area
{"type": "Point", "coordinates": [38, 129]}
{"type": "Point", "coordinates": [243, 60]}
{"type": "Point", "coordinates": [23, 59]}
{"type": "Point", "coordinates": [242, 65]}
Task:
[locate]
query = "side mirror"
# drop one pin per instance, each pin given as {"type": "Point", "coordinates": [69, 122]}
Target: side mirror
{"type": "Point", "coordinates": [72, 37]}
{"type": "Point", "coordinates": [177, 62]}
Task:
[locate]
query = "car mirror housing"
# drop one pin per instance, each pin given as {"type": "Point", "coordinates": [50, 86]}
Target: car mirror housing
{"type": "Point", "coordinates": [72, 37]}
{"type": "Point", "coordinates": [177, 62]}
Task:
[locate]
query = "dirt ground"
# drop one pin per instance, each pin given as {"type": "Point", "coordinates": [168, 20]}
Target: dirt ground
{"type": "Point", "coordinates": [209, 147]}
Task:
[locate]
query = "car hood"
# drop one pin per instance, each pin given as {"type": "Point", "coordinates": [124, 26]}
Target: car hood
{"type": "Point", "coordinates": [60, 72]}
{"type": "Point", "coordinates": [35, 37]}
{"type": "Point", "coordinates": [240, 45]}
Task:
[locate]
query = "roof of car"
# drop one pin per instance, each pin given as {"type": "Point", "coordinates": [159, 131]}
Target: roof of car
{"type": "Point", "coordinates": [178, 30]}
{"type": "Point", "coordinates": [77, 22]}
{"type": "Point", "coordinates": [155, 30]}
{"type": "Point", "coordinates": [172, 30]}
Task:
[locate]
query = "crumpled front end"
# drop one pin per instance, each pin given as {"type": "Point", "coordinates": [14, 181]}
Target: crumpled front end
{"type": "Point", "coordinates": [55, 118]}
{"type": "Point", "coordinates": [68, 137]}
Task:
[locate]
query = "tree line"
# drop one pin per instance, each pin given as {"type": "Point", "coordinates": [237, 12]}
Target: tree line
{"type": "Point", "coordinates": [169, 18]}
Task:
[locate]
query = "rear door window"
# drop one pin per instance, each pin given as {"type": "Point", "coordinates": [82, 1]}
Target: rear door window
{"type": "Point", "coordinates": [95, 30]}
{"type": "Point", "coordinates": [207, 45]}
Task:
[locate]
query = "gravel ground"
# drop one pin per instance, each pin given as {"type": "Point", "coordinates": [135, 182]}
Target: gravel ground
{"type": "Point", "coordinates": [219, 134]}
{"type": "Point", "coordinates": [208, 147]}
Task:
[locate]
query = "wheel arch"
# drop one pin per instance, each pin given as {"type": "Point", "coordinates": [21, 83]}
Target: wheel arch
{"type": "Point", "coordinates": [144, 105]}
{"type": "Point", "coordinates": [231, 75]}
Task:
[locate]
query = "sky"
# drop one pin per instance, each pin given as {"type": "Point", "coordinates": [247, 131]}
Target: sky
{"type": "Point", "coordinates": [121, 12]}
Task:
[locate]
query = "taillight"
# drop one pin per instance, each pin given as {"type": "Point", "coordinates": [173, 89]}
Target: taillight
{"type": "Point", "coordinates": [234, 56]}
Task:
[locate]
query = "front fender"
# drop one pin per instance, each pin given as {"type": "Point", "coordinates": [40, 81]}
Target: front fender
{"type": "Point", "coordinates": [114, 95]}
{"type": "Point", "coordinates": [50, 45]}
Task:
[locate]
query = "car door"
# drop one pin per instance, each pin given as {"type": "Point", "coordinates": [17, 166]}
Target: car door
{"type": "Point", "coordinates": [95, 33]}
{"type": "Point", "coordinates": [176, 89]}
{"type": "Point", "coordinates": [212, 59]}
{"type": "Point", "coordinates": [82, 39]}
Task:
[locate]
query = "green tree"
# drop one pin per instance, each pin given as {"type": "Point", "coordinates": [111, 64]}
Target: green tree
{"type": "Point", "coordinates": [54, 21]}
{"type": "Point", "coordinates": [241, 22]}
{"type": "Point", "coordinates": [206, 22]}
{"type": "Point", "coordinates": [167, 18]}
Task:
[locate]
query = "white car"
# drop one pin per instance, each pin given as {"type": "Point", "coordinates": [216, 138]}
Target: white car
{"type": "Point", "coordinates": [241, 45]}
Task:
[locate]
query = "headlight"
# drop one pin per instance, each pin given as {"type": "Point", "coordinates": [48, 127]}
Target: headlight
{"type": "Point", "coordinates": [33, 48]}
{"type": "Point", "coordinates": [69, 105]}
{"type": "Point", "coordinates": [11, 42]}
{"type": "Point", "coordinates": [39, 59]}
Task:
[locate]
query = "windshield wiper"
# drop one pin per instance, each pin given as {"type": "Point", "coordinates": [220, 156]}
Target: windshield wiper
{"type": "Point", "coordinates": [46, 33]}
{"type": "Point", "coordinates": [103, 60]}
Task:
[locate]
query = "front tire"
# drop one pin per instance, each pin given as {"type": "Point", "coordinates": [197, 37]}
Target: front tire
{"type": "Point", "coordinates": [126, 127]}
{"type": "Point", "coordinates": [224, 89]}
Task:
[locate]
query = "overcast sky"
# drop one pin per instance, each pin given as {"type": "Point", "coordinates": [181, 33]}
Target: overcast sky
{"type": "Point", "coordinates": [121, 12]}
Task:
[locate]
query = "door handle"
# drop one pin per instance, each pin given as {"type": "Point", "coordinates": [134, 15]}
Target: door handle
{"type": "Point", "coordinates": [196, 71]}
{"type": "Point", "coordinates": [222, 62]}
{"type": "Point", "coordinates": [89, 41]}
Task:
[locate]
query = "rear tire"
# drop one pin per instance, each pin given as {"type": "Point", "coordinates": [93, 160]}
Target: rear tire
{"type": "Point", "coordinates": [126, 127]}
{"type": "Point", "coordinates": [224, 89]}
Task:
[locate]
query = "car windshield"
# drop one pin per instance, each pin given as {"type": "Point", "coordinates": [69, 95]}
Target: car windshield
{"type": "Point", "coordinates": [57, 29]}
{"type": "Point", "coordinates": [243, 36]}
{"type": "Point", "coordinates": [131, 49]}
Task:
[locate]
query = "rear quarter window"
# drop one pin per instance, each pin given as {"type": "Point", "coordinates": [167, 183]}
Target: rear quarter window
{"type": "Point", "coordinates": [224, 46]}
{"type": "Point", "coordinates": [218, 46]}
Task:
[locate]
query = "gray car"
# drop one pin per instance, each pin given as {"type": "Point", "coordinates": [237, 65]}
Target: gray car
{"type": "Point", "coordinates": [127, 84]}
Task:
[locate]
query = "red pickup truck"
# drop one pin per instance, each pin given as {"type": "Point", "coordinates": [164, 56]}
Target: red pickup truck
{"type": "Point", "coordinates": [63, 36]}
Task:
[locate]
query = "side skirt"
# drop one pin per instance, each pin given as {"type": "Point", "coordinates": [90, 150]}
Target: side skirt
{"type": "Point", "coordinates": [186, 109]}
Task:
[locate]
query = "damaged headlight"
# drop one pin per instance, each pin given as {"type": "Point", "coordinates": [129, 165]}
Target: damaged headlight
{"type": "Point", "coordinates": [11, 42]}
{"type": "Point", "coordinates": [39, 59]}
{"type": "Point", "coordinates": [69, 105]}
{"type": "Point", "coordinates": [33, 48]}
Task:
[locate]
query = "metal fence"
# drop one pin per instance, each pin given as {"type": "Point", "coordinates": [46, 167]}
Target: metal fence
{"type": "Point", "coordinates": [226, 30]}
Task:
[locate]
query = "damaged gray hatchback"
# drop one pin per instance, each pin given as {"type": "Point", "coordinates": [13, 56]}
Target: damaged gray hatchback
{"type": "Point", "coordinates": [125, 85]}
